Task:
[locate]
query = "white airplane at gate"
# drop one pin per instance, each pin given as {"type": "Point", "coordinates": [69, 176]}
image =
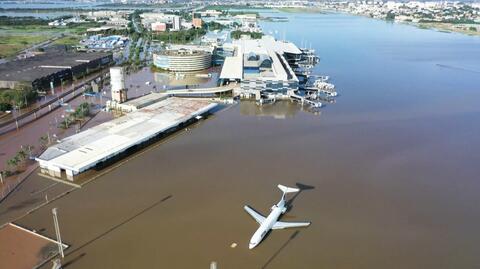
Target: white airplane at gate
{"type": "Point", "coordinates": [271, 222]}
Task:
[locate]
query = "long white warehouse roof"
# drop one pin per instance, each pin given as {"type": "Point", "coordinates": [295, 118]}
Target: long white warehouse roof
{"type": "Point", "coordinates": [84, 150]}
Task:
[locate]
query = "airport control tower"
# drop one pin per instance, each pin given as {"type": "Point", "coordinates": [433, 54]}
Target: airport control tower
{"type": "Point", "coordinates": [117, 80]}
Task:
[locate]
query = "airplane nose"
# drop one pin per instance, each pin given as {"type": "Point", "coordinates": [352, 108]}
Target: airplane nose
{"type": "Point", "coordinates": [251, 245]}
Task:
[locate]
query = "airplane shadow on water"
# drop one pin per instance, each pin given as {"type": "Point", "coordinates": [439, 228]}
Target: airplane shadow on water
{"type": "Point", "coordinates": [302, 187]}
{"type": "Point", "coordinates": [289, 205]}
{"type": "Point", "coordinates": [294, 234]}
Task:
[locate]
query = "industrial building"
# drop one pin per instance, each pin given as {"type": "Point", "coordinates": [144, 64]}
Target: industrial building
{"type": "Point", "coordinates": [183, 60]}
{"type": "Point", "coordinates": [99, 144]}
{"type": "Point", "coordinates": [41, 72]}
{"type": "Point", "coordinates": [262, 65]}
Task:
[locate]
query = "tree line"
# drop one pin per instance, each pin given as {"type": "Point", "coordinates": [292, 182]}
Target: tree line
{"type": "Point", "coordinates": [237, 34]}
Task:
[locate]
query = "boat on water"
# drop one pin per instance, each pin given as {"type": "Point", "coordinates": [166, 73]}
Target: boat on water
{"type": "Point", "coordinates": [322, 85]}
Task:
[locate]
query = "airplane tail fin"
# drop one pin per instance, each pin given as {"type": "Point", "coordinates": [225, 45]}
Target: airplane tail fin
{"type": "Point", "coordinates": [286, 189]}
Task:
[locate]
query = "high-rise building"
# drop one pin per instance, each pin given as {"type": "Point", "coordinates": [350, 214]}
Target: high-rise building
{"type": "Point", "coordinates": [176, 23]}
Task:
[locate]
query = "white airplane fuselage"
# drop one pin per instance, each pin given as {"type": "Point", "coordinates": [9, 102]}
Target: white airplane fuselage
{"type": "Point", "coordinates": [271, 222]}
{"type": "Point", "coordinates": [266, 226]}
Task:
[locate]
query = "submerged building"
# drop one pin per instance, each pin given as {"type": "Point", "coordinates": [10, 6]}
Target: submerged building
{"type": "Point", "coordinates": [44, 71]}
{"type": "Point", "coordinates": [262, 65]}
{"type": "Point", "coordinates": [100, 144]}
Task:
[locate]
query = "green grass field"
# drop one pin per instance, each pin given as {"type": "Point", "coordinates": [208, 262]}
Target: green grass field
{"type": "Point", "coordinates": [16, 38]}
{"type": "Point", "coordinates": [68, 40]}
{"type": "Point", "coordinates": [12, 44]}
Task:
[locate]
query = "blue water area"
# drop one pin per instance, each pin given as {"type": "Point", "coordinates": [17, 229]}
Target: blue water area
{"type": "Point", "coordinates": [389, 67]}
{"type": "Point", "coordinates": [44, 4]}
{"type": "Point", "coordinates": [42, 15]}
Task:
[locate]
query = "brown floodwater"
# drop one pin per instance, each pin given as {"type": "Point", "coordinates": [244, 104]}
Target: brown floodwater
{"type": "Point", "coordinates": [380, 198]}
{"type": "Point", "coordinates": [392, 169]}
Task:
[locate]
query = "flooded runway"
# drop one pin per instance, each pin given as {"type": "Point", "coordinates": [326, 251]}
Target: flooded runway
{"type": "Point", "coordinates": [393, 167]}
{"type": "Point", "coordinates": [376, 202]}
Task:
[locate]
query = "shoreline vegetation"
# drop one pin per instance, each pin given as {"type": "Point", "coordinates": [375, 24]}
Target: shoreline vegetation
{"type": "Point", "coordinates": [448, 27]}
{"type": "Point", "coordinates": [237, 34]}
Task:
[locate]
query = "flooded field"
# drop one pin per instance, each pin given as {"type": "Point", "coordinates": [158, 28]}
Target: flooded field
{"type": "Point", "coordinates": [392, 169]}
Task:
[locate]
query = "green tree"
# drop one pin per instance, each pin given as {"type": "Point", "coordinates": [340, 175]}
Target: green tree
{"type": "Point", "coordinates": [43, 140]}
{"type": "Point", "coordinates": [13, 162]}
{"type": "Point", "coordinates": [21, 155]}
{"type": "Point", "coordinates": [390, 16]}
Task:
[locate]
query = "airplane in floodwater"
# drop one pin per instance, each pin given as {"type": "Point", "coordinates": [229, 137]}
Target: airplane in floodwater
{"type": "Point", "coordinates": [271, 222]}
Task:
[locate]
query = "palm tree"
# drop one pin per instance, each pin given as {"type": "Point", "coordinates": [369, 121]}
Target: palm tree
{"type": "Point", "coordinates": [13, 162]}
{"type": "Point", "coordinates": [43, 141]}
{"type": "Point", "coordinates": [22, 155]}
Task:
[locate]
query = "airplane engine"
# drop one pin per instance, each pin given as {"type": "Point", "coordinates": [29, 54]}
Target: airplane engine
{"type": "Point", "coordinates": [284, 210]}
{"type": "Point", "coordinates": [273, 207]}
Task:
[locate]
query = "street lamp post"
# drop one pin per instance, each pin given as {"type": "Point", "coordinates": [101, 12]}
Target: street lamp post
{"type": "Point", "coordinates": [57, 232]}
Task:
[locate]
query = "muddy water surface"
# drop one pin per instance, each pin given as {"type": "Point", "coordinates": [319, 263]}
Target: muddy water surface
{"type": "Point", "coordinates": [393, 168]}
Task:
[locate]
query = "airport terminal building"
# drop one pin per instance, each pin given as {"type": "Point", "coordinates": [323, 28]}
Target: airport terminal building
{"type": "Point", "coordinates": [262, 65]}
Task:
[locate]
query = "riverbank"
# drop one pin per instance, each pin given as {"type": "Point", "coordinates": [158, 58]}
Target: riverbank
{"type": "Point", "coordinates": [446, 27]}
{"type": "Point", "coordinates": [301, 10]}
{"type": "Point", "coordinates": [450, 27]}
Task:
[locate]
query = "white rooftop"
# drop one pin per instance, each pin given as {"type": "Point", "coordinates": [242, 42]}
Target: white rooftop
{"type": "Point", "coordinates": [267, 45]}
{"type": "Point", "coordinates": [84, 150]}
{"type": "Point", "coordinates": [270, 42]}
{"type": "Point", "coordinates": [233, 66]}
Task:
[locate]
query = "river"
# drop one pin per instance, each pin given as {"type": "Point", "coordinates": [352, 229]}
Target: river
{"type": "Point", "coordinates": [392, 167]}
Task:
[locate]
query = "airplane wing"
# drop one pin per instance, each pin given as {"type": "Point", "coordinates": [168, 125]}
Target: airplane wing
{"type": "Point", "coordinates": [257, 216]}
{"type": "Point", "coordinates": [283, 224]}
